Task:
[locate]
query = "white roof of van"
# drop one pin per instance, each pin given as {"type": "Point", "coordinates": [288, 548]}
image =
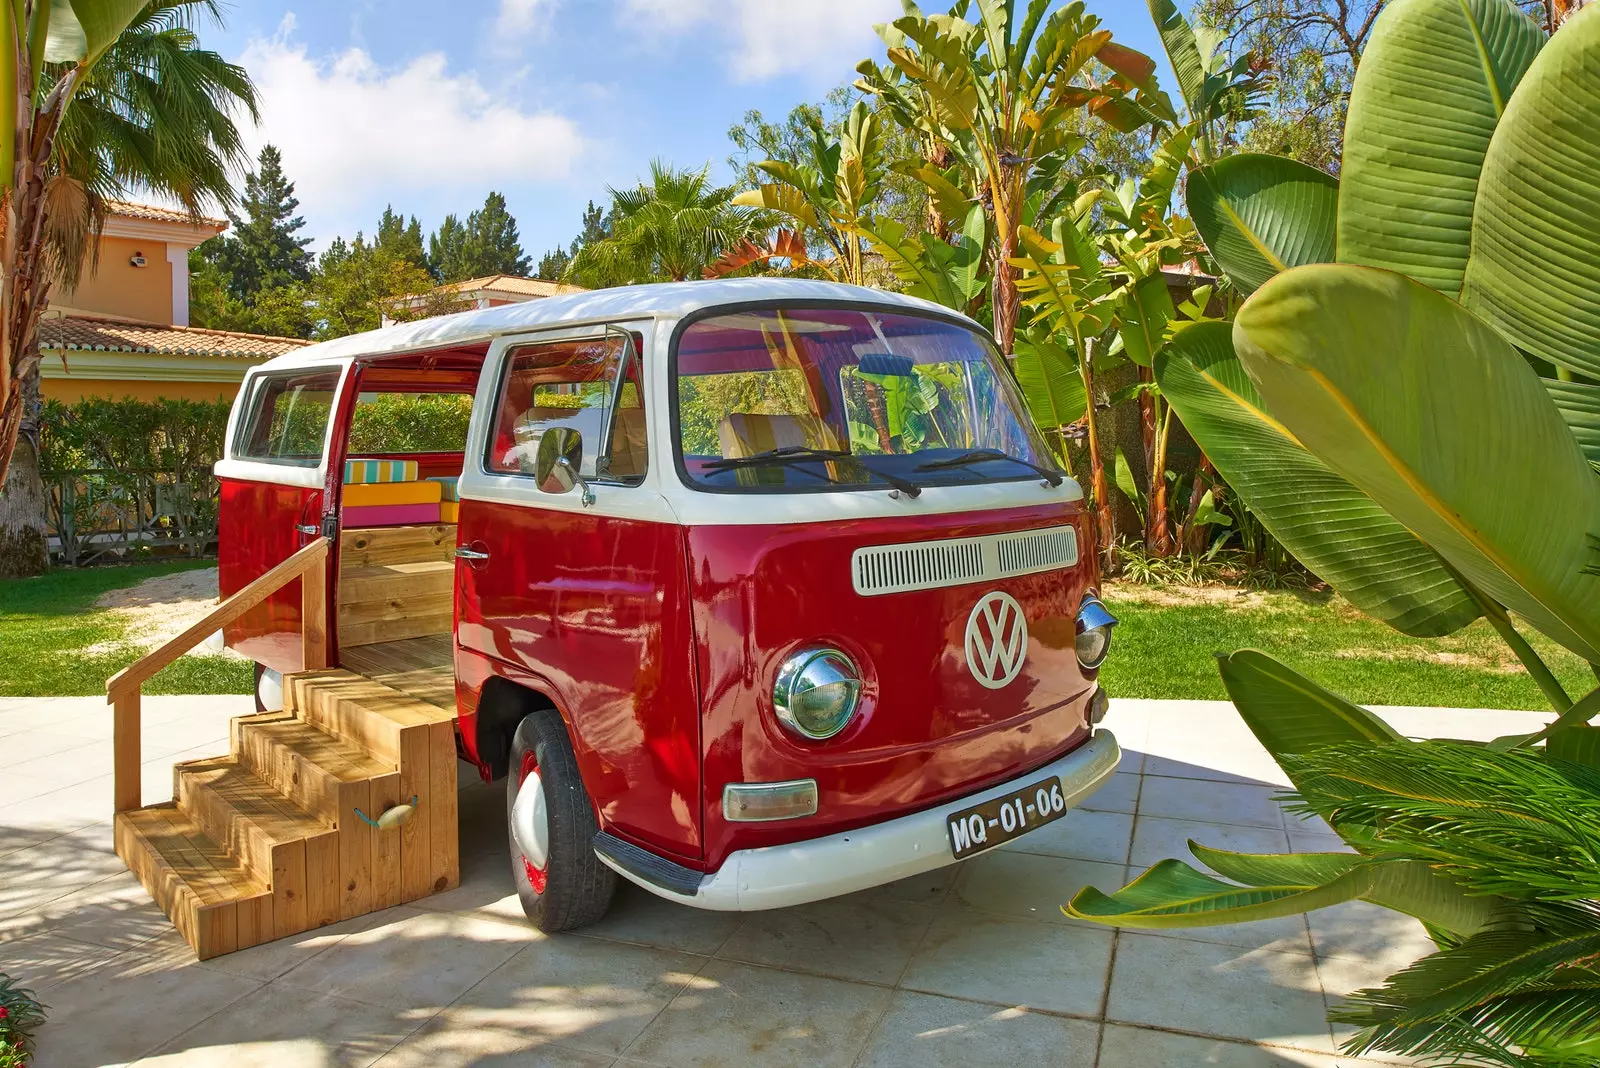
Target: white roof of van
{"type": "Point", "coordinates": [661, 300]}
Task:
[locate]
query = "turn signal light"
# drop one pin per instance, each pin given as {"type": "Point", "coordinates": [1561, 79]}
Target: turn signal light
{"type": "Point", "coordinates": [750, 802]}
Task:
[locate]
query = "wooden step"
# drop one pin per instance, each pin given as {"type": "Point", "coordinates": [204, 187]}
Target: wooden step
{"type": "Point", "coordinates": [416, 736]}
{"type": "Point", "coordinates": [294, 852]}
{"type": "Point", "coordinates": [215, 903]}
{"type": "Point", "coordinates": [388, 545]}
{"type": "Point", "coordinates": [379, 581]}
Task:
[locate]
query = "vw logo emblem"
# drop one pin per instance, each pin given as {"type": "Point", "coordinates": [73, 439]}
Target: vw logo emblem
{"type": "Point", "coordinates": [997, 639]}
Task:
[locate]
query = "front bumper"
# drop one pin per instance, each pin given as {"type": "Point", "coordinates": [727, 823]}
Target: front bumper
{"type": "Point", "coordinates": [779, 876]}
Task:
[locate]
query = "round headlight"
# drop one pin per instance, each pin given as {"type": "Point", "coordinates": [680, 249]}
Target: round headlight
{"type": "Point", "coordinates": [817, 692]}
{"type": "Point", "coordinates": [1094, 633]}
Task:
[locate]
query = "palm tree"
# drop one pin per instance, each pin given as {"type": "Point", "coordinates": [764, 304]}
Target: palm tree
{"type": "Point", "coordinates": [669, 229]}
{"type": "Point", "coordinates": [120, 98]}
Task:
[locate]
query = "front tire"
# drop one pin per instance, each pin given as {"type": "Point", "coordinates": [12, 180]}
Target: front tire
{"type": "Point", "coordinates": [560, 881]}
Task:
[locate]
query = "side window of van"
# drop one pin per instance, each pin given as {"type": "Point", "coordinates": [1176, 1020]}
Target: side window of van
{"type": "Point", "coordinates": [571, 384]}
{"type": "Point", "coordinates": [286, 421]}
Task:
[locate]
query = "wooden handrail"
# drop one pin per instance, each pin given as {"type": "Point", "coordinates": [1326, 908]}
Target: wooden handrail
{"type": "Point", "coordinates": [123, 688]}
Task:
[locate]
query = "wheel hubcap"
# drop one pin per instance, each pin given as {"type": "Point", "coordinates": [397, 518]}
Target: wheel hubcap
{"type": "Point", "coordinates": [530, 823]}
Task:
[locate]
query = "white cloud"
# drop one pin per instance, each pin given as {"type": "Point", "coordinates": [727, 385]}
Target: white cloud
{"type": "Point", "coordinates": [520, 18]}
{"type": "Point", "coordinates": [354, 133]}
{"type": "Point", "coordinates": [767, 38]}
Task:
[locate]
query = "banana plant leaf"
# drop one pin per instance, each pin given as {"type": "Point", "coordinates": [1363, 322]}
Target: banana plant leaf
{"type": "Point", "coordinates": [1329, 525]}
{"type": "Point", "coordinates": [1536, 232]}
{"type": "Point", "coordinates": [1261, 214]}
{"type": "Point", "coordinates": [1430, 90]}
{"type": "Point", "coordinates": [1183, 51]}
{"type": "Point", "coordinates": [1051, 383]}
{"type": "Point", "coordinates": [1575, 745]}
{"type": "Point", "coordinates": [1288, 713]}
{"type": "Point", "coordinates": [1435, 416]}
{"type": "Point", "coordinates": [1579, 405]}
{"type": "Point", "coordinates": [1174, 895]}
{"type": "Point", "coordinates": [1145, 308]}
{"type": "Point", "coordinates": [81, 30]}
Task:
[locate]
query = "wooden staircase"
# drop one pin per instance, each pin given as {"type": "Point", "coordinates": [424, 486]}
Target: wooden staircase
{"type": "Point", "coordinates": [288, 831]}
{"type": "Point", "coordinates": [270, 840]}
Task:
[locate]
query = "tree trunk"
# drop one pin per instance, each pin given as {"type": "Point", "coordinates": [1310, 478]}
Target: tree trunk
{"type": "Point", "coordinates": [1004, 289]}
{"type": "Point", "coordinates": [1147, 440]}
{"type": "Point", "coordinates": [1159, 537]}
{"type": "Point", "coordinates": [1099, 487]}
{"type": "Point", "coordinates": [23, 549]}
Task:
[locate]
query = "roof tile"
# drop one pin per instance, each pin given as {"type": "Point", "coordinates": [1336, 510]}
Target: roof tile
{"type": "Point", "coordinates": [82, 332]}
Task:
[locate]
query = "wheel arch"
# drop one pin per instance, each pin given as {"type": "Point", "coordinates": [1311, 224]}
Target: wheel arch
{"type": "Point", "coordinates": [501, 707]}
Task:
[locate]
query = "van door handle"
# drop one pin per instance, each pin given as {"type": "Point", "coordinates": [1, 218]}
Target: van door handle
{"type": "Point", "coordinates": [308, 528]}
{"type": "Point", "coordinates": [470, 554]}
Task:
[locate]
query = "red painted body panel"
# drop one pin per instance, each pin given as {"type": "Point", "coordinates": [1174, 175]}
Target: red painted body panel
{"type": "Point", "coordinates": [256, 532]}
{"type": "Point", "coordinates": [593, 611]}
{"type": "Point", "coordinates": [927, 731]}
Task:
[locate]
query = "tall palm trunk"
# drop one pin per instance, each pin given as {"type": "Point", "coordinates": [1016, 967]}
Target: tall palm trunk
{"type": "Point", "coordinates": [1099, 486]}
{"type": "Point", "coordinates": [23, 547]}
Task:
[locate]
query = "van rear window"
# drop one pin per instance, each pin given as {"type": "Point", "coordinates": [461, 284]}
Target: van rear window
{"type": "Point", "coordinates": [286, 419]}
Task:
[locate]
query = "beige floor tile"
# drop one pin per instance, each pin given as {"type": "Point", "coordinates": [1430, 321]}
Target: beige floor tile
{"type": "Point", "coordinates": [1137, 1047]}
{"type": "Point", "coordinates": [26, 746]}
{"type": "Point", "coordinates": [735, 1015]}
{"type": "Point", "coordinates": [575, 992]}
{"type": "Point", "coordinates": [923, 1031]}
{"type": "Point", "coordinates": [1157, 838]}
{"type": "Point", "coordinates": [416, 959]}
{"type": "Point", "coordinates": [866, 939]}
{"type": "Point", "coordinates": [442, 1045]}
{"type": "Point", "coordinates": [1207, 740]}
{"type": "Point", "coordinates": [1053, 967]}
{"type": "Point", "coordinates": [280, 1026]}
{"type": "Point", "coordinates": [1083, 834]}
{"type": "Point", "coordinates": [1385, 940]}
{"type": "Point", "coordinates": [1027, 885]}
{"type": "Point", "coordinates": [640, 917]}
{"type": "Point", "coordinates": [272, 959]}
{"type": "Point", "coordinates": [929, 888]}
{"type": "Point", "coordinates": [486, 889]}
{"type": "Point", "coordinates": [34, 877]}
{"type": "Point", "coordinates": [41, 961]}
{"type": "Point", "coordinates": [115, 912]}
{"type": "Point", "coordinates": [1121, 794]}
{"type": "Point", "coordinates": [128, 1008]}
{"type": "Point", "coordinates": [1342, 976]}
{"type": "Point", "coordinates": [1254, 995]}
{"type": "Point", "coordinates": [1211, 802]}
{"type": "Point", "coordinates": [20, 786]}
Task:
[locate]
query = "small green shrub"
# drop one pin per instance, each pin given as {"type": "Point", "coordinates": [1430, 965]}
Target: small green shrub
{"type": "Point", "coordinates": [20, 1016]}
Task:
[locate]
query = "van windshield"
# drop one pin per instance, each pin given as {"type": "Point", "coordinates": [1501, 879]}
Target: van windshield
{"type": "Point", "coordinates": [779, 400]}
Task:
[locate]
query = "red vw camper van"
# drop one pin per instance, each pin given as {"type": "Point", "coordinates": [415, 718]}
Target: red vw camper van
{"type": "Point", "coordinates": [753, 592]}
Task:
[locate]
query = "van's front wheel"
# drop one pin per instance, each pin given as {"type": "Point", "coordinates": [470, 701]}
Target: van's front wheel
{"type": "Point", "coordinates": [550, 823]}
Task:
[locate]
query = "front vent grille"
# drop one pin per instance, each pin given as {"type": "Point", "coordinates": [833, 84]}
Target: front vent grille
{"type": "Point", "coordinates": [927, 565]}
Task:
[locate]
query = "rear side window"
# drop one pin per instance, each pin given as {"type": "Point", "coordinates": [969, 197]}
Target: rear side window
{"type": "Point", "coordinates": [388, 422]}
{"type": "Point", "coordinates": [286, 419]}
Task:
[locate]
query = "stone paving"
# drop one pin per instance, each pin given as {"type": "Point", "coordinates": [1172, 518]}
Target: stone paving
{"type": "Point", "coordinates": [973, 965]}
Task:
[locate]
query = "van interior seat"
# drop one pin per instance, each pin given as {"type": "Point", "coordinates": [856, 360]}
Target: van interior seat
{"type": "Point", "coordinates": [746, 433]}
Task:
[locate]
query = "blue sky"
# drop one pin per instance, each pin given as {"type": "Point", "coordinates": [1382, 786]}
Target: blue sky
{"type": "Point", "coordinates": [549, 101]}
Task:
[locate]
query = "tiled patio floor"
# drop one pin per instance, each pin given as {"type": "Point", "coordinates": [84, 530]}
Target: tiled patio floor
{"type": "Point", "coordinates": [971, 966]}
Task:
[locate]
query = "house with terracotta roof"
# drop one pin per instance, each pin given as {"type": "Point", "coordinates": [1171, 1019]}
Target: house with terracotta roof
{"type": "Point", "coordinates": [490, 291]}
{"type": "Point", "coordinates": [124, 331]}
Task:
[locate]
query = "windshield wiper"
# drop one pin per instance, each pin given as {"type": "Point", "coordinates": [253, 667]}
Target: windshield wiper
{"type": "Point", "coordinates": [975, 456]}
{"type": "Point", "coordinates": [787, 455]}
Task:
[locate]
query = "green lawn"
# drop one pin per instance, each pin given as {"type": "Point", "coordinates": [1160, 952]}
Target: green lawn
{"type": "Point", "coordinates": [1167, 642]}
{"type": "Point", "coordinates": [1164, 648]}
{"type": "Point", "coordinates": [45, 622]}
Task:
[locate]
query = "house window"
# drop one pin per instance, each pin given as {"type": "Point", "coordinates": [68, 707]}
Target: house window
{"type": "Point", "coordinates": [286, 421]}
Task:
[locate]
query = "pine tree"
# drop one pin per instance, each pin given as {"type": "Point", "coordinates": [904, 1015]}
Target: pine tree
{"type": "Point", "coordinates": [401, 238]}
{"type": "Point", "coordinates": [486, 244]}
{"type": "Point", "coordinates": [261, 251]}
{"type": "Point", "coordinates": [596, 227]}
{"type": "Point", "coordinates": [553, 265]}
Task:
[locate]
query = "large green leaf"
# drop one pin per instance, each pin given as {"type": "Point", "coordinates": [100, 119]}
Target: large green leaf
{"type": "Point", "coordinates": [1536, 230]}
{"type": "Point", "coordinates": [1288, 713]}
{"type": "Point", "coordinates": [1436, 417]}
{"type": "Point", "coordinates": [1050, 380]}
{"type": "Point", "coordinates": [1432, 85]}
{"type": "Point", "coordinates": [1330, 526]}
{"type": "Point", "coordinates": [81, 30]}
{"type": "Point", "coordinates": [1579, 405]}
{"type": "Point", "coordinates": [1183, 52]}
{"type": "Point", "coordinates": [1263, 214]}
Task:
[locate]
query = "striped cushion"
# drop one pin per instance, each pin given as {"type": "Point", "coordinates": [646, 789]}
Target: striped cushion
{"type": "Point", "coordinates": [392, 493]}
{"type": "Point", "coordinates": [366, 472]}
{"type": "Point", "coordinates": [448, 482]}
{"type": "Point", "coordinates": [449, 512]}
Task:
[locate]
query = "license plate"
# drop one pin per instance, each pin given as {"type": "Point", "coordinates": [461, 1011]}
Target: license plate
{"type": "Point", "coordinates": [1000, 819]}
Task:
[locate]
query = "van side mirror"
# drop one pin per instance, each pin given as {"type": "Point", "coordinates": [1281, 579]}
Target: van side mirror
{"type": "Point", "coordinates": [559, 459]}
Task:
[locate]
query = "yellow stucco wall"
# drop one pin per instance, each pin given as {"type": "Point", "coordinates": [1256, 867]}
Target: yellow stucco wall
{"type": "Point", "coordinates": [66, 390]}
{"type": "Point", "coordinates": [116, 287]}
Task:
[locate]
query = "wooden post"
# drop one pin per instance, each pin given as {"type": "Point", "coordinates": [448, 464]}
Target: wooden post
{"type": "Point", "coordinates": [127, 790]}
{"type": "Point", "coordinates": [314, 614]}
